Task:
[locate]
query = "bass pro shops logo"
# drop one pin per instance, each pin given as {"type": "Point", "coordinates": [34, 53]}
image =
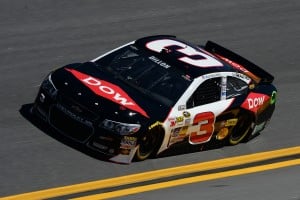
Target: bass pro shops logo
{"type": "Point", "coordinates": [108, 90]}
{"type": "Point", "coordinates": [254, 101]}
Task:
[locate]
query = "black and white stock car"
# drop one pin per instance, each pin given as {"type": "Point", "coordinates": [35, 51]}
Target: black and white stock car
{"type": "Point", "coordinates": [140, 99]}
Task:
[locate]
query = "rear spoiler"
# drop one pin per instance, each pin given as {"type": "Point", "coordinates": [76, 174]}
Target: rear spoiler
{"type": "Point", "coordinates": [255, 72]}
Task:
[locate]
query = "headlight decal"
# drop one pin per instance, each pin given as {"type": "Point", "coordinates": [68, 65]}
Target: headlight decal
{"type": "Point", "coordinates": [48, 86]}
{"type": "Point", "coordinates": [119, 127]}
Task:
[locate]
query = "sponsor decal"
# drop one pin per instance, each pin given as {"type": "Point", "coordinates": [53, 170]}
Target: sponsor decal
{"type": "Point", "coordinates": [231, 122]}
{"type": "Point", "coordinates": [186, 114]}
{"type": "Point", "coordinates": [239, 67]}
{"type": "Point", "coordinates": [154, 125]}
{"type": "Point", "coordinates": [187, 121]}
{"type": "Point", "coordinates": [175, 132]}
{"type": "Point", "coordinates": [273, 97]}
{"type": "Point", "coordinates": [254, 101]}
{"type": "Point", "coordinates": [209, 76]}
{"type": "Point", "coordinates": [233, 64]}
{"type": "Point", "coordinates": [159, 62]}
{"type": "Point", "coordinates": [74, 116]}
{"type": "Point", "coordinates": [172, 122]}
{"type": "Point", "coordinates": [241, 76]}
{"type": "Point", "coordinates": [179, 120]}
{"type": "Point", "coordinates": [109, 91]}
{"type": "Point", "coordinates": [128, 142]}
{"type": "Point", "coordinates": [181, 107]}
{"type": "Point", "coordinates": [183, 131]}
{"type": "Point", "coordinates": [223, 88]}
{"type": "Point", "coordinates": [178, 134]}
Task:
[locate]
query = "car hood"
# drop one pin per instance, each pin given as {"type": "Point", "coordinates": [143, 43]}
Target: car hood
{"type": "Point", "coordinates": [106, 95]}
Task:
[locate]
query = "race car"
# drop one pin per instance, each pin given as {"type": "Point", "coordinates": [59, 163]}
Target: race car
{"type": "Point", "coordinates": [146, 96]}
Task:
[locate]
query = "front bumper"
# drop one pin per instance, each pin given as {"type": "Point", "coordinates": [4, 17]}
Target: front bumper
{"type": "Point", "coordinates": [76, 122]}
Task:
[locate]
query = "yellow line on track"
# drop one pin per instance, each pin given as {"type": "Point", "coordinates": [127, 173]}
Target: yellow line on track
{"type": "Point", "coordinates": [184, 181]}
{"type": "Point", "coordinates": [151, 175]}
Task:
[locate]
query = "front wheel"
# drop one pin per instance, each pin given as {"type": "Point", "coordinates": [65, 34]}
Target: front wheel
{"type": "Point", "coordinates": [241, 131]}
{"type": "Point", "coordinates": [149, 145]}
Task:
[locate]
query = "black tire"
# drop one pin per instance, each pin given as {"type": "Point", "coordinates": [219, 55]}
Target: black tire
{"type": "Point", "coordinates": [149, 144]}
{"type": "Point", "coordinates": [241, 131]}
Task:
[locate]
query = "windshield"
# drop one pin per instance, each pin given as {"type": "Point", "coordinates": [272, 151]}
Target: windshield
{"type": "Point", "coordinates": [146, 72]}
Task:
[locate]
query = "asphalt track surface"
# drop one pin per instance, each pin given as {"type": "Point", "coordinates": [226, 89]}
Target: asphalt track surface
{"type": "Point", "coordinates": [37, 36]}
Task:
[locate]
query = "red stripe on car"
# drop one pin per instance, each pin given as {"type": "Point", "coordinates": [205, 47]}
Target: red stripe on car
{"type": "Point", "coordinates": [109, 91]}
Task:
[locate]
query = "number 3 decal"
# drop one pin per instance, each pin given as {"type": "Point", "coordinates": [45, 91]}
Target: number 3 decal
{"type": "Point", "coordinates": [205, 122]}
{"type": "Point", "coordinates": [190, 54]}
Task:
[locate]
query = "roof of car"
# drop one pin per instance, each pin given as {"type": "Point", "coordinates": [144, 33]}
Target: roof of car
{"type": "Point", "coordinates": [193, 60]}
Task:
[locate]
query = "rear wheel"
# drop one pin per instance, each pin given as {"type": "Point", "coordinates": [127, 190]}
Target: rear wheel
{"type": "Point", "coordinates": [242, 130]}
{"type": "Point", "coordinates": [149, 144]}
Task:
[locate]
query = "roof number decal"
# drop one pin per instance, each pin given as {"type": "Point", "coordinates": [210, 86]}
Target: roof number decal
{"type": "Point", "coordinates": [190, 56]}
